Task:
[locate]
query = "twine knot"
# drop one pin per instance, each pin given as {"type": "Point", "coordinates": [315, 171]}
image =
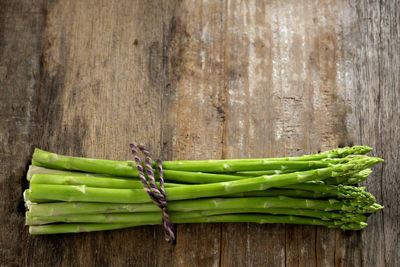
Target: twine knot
{"type": "Point", "coordinates": [158, 196]}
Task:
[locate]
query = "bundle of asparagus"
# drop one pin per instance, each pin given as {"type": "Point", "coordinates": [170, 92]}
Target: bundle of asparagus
{"type": "Point", "coordinates": [72, 194]}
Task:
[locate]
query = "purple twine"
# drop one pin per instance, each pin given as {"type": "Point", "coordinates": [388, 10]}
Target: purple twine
{"type": "Point", "coordinates": [158, 196]}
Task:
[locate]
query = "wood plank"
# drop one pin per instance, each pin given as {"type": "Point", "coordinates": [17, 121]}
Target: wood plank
{"type": "Point", "coordinates": [207, 79]}
{"type": "Point", "coordinates": [193, 125]}
{"type": "Point", "coordinates": [21, 24]}
{"type": "Point", "coordinates": [377, 109]}
{"type": "Point", "coordinates": [285, 97]}
{"type": "Point", "coordinates": [97, 95]}
{"type": "Point", "coordinates": [250, 120]}
{"type": "Point", "coordinates": [366, 110]}
{"type": "Point", "coordinates": [389, 125]}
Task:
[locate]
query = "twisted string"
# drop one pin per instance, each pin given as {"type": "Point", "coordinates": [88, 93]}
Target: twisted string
{"type": "Point", "coordinates": [158, 196]}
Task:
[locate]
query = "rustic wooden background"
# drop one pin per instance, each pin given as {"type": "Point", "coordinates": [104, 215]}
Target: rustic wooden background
{"type": "Point", "coordinates": [199, 80]}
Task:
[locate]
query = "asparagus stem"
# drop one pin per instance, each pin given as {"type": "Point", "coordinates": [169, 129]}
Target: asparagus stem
{"type": "Point", "coordinates": [198, 177]}
{"type": "Point", "coordinates": [137, 218]}
{"type": "Point", "coordinates": [98, 217]}
{"type": "Point", "coordinates": [62, 228]}
{"type": "Point", "coordinates": [345, 179]}
{"type": "Point", "coordinates": [248, 190]}
{"type": "Point", "coordinates": [155, 217]}
{"type": "Point", "coordinates": [33, 169]}
{"type": "Point", "coordinates": [273, 192]}
{"type": "Point", "coordinates": [38, 164]}
{"type": "Point", "coordinates": [56, 161]}
{"type": "Point", "coordinates": [253, 218]}
{"type": "Point", "coordinates": [339, 191]}
{"type": "Point", "coordinates": [261, 219]}
{"type": "Point", "coordinates": [28, 200]}
{"type": "Point", "coordinates": [169, 175]}
{"type": "Point", "coordinates": [75, 178]}
{"type": "Point", "coordinates": [352, 179]}
{"type": "Point", "coordinates": [124, 168]}
{"type": "Point", "coordinates": [91, 181]}
{"type": "Point", "coordinates": [238, 166]}
{"type": "Point", "coordinates": [266, 193]}
{"type": "Point", "coordinates": [314, 190]}
{"type": "Point", "coordinates": [67, 208]}
{"type": "Point", "coordinates": [90, 194]}
{"type": "Point", "coordinates": [335, 153]}
{"type": "Point", "coordinates": [259, 173]}
{"type": "Point", "coordinates": [323, 215]}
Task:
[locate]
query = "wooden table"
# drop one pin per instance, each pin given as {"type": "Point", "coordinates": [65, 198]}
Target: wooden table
{"type": "Point", "coordinates": [200, 80]}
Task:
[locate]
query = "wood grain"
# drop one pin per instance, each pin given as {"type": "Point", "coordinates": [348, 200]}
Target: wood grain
{"type": "Point", "coordinates": [377, 64]}
{"type": "Point", "coordinates": [196, 80]}
{"type": "Point", "coordinates": [99, 95]}
{"type": "Point", "coordinates": [21, 26]}
{"type": "Point", "coordinates": [192, 117]}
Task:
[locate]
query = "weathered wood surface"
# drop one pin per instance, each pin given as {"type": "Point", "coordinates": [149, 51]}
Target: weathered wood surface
{"type": "Point", "coordinates": [196, 80]}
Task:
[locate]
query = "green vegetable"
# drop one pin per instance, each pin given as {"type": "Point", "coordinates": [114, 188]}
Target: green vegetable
{"type": "Point", "coordinates": [253, 218]}
{"type": "Point", "coordinates": [72, 194]}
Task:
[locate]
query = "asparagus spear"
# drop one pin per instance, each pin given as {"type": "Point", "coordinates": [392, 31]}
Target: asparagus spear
{"type": "Point", "coordinates": [334, 153]}
{"type": "Point", "coordinates": [339, 191]}
{"type": "Point", "coordinates": [154, 217]}
{"type": "Point", "coordinates": [137, 218]}
{"type": "Point", "coordinates": [62, 228]}
{"type": "Point", "coordinates": [201, 178]}
{"type": "Point", "coordinates": [266, 193]}
{"type": "Point", "coordinates": [323, 215]}
{"type": "Point", "coordinates": [254, 218]}
{"type": "Point", "coordinates": [350, 180]}
{"type": "Point", "coordinates": [261, 219]}
{"type": "Point", "coordinates": [346, 179]}
{"type": "Point", "coordinates": [75, 178]}
{"type": "Point", "coordinates": [124, 168]}
{"type": "Point", "coordinates": [121, 168]}
{"type": "Point", "coordinates": [56, 161]}
{"type": "Point", "coordinates": [67, 208]}
{"type": "Point", "coordinates": [274, 192]}
{"type": "Point", "coordinates": [314, 190]}
{"type": "Point", "coordinates": [34, 169]}
{"type": "Point", "coordinates": [90, 194]}
{"type": "Point", "coordinates": [180, 176]}
{"type": "Point", "coordinates": [204, 177]}
{"type": "Point", "coordinates": [170, 175]}
{"type": "Point", "coordinates": [237, 166]}
{"type": "Point", "coordinates": [91, 181]}
{"type": "Point", "coordinates": [259, 173]}
{"type": "Point", "coordinates": [356, 193]}
{"type": "Point", "coordinates": [33, 218]}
